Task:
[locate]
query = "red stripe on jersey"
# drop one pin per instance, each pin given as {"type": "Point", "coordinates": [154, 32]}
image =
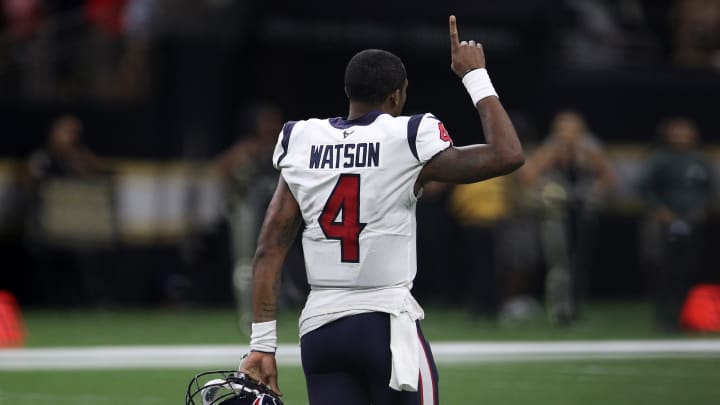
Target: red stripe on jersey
{"type": "Point", "coordinates": [420, 388]}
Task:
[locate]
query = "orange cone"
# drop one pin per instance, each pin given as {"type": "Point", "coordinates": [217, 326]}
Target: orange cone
{"type": "Point", "coordinates": [701, 311]}
{"type": "Point", "coordinates": [12, 332]}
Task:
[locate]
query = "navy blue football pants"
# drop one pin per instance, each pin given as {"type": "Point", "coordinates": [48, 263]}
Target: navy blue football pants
{"type": "Point", "coordinates": [348, 362]}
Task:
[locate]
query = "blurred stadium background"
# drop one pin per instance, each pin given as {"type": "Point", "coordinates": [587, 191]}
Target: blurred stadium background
{"type": "Point", "coordinates": [130, 244]}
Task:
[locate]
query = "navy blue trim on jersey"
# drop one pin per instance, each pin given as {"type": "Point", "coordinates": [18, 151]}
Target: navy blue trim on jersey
{"type": "Point", "coordinates": [431, 361]}
{"type": "Point", "coordinates": [287, 130]}
{"type": "Point", "coordinates": [367, 119]}
{"type": "Point", "coordinates": [412, 131]}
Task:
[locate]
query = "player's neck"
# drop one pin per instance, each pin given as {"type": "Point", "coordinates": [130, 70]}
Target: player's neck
{"type": "Point", "coordinates": [357, 109]}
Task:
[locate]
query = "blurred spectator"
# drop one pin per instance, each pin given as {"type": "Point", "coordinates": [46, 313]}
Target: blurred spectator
{"type": "Point", "coordinates": [498, 248]}
{"type": "Point", "coordinates": [22, 18]}
{"type": "Point", "coordinates": [71, 217]}
{"type": "Point", "coordinates": [106, 15]}
{"type": "Point", "coordinates": [696, 32]}
{"type": "Point", "coordinates": [601, 34]}
{"type": "Point", "coordinates": [91, 48]}
{"type": "Point", "coordinates": [573, 175]}
{"type": "Point", "coordinates": [140, 19]}
{"type": "Point", "coordinates": [518, 254]}
{"type": "Point", "coordinates": [64, 153]}
{"type": "Point", "coordinates": [678, 187]}
{"type": "Point", "coordinates": [479, 224]}
{"type": "Point", "coordinates": [21, 21]}
{"type": "Point", "coordinates": [104, 46]}
{"type": "Point", "coordinates": [250, 180]}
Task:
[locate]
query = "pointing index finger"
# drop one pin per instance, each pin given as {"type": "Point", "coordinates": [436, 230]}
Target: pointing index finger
{"type": "Point", "coordinates": [454, 40]}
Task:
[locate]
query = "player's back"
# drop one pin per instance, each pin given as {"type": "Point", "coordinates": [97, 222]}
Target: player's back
{"type": "Point", "coordinates": [354, 182]}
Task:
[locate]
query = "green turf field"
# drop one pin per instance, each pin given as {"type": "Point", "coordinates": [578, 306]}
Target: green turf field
{"type": "Point", "coordinates": [617, 382]}
{"type": "Point", "coordinates": [603, 320]}
{"type": "Point", "coordinates": [548, 382]}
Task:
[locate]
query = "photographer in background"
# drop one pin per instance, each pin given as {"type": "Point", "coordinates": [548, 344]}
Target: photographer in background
{"type": "Point", "coordinates": [677, 186]}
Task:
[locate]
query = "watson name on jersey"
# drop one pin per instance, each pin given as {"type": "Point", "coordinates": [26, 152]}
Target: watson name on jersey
{"type": "Point", "coordinates": [353, 181]}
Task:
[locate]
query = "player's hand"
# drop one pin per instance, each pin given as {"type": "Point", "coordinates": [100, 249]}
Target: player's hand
{"type": "Point", "coordinates": [465, 55]}
{"type": "Point", "coordinates": [261, 367]}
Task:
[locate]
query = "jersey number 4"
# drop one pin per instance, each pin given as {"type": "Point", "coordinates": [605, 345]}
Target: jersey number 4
{"type": "Point", "coordinates": [344, 202]}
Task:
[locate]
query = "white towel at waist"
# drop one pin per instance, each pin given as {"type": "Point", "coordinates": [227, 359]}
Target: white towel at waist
{"type": "Point", "coordinates": [326, 305]}
{"type": "Point", "coordinates": [405, 346]}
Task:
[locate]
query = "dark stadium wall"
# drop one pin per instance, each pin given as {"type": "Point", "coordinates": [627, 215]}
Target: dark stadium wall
{"type": "Point", "coordinates": [293, 54]}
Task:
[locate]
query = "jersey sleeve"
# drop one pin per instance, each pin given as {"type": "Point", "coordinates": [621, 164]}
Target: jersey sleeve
{"type": "Point", "coordinates": [431, 137]}
{"type": "Point", "coordinates": [279, 150]}
{"type": "Point", "coordinates": [283, 144]}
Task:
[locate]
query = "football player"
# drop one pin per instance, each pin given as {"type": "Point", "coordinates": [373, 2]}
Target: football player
{"type": "Point", "coordinates": [353, 184]}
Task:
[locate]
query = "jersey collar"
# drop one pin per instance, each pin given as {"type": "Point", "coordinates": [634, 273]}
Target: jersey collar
{"type": "Point", "coordinates": [367, 119]}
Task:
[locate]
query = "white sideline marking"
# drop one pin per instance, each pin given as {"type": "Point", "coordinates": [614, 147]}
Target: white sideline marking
{"type": "Point", "coordinates": [226, 356]}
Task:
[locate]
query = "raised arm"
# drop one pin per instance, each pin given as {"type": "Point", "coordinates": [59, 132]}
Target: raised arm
{"type": "Point", "coordinates": [502, 152]}
{"type": "Point", "coordinates": [281, 224]}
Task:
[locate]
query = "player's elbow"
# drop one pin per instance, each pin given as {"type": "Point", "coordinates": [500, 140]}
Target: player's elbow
{"type": "Point", "coordinates": [514, 162]}
{"type": "Point", "coordinates": [509, 162]}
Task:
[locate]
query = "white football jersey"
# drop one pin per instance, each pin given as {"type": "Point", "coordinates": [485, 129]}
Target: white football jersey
{"type": "Point", "coordinates": [353, 181]}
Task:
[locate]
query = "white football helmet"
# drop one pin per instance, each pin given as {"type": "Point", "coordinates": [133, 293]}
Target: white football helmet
{"type": "Point", "coordinates": [228, 388]}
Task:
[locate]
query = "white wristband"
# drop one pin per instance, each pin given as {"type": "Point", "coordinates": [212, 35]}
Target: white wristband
{"type": "Point", "coordinates": [264, 337]}
{"type": "Point", "coordinates": [478, 85]}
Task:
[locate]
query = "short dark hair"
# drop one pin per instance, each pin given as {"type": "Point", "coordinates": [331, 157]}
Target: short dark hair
{"type": "Point", "coordinates": [371, 75]}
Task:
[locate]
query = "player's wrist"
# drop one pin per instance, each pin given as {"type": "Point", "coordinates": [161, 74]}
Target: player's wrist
{"type": "Point", "coordinates": [263, 337]}
{"type": "Point", "coordinates": [478, 85]}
